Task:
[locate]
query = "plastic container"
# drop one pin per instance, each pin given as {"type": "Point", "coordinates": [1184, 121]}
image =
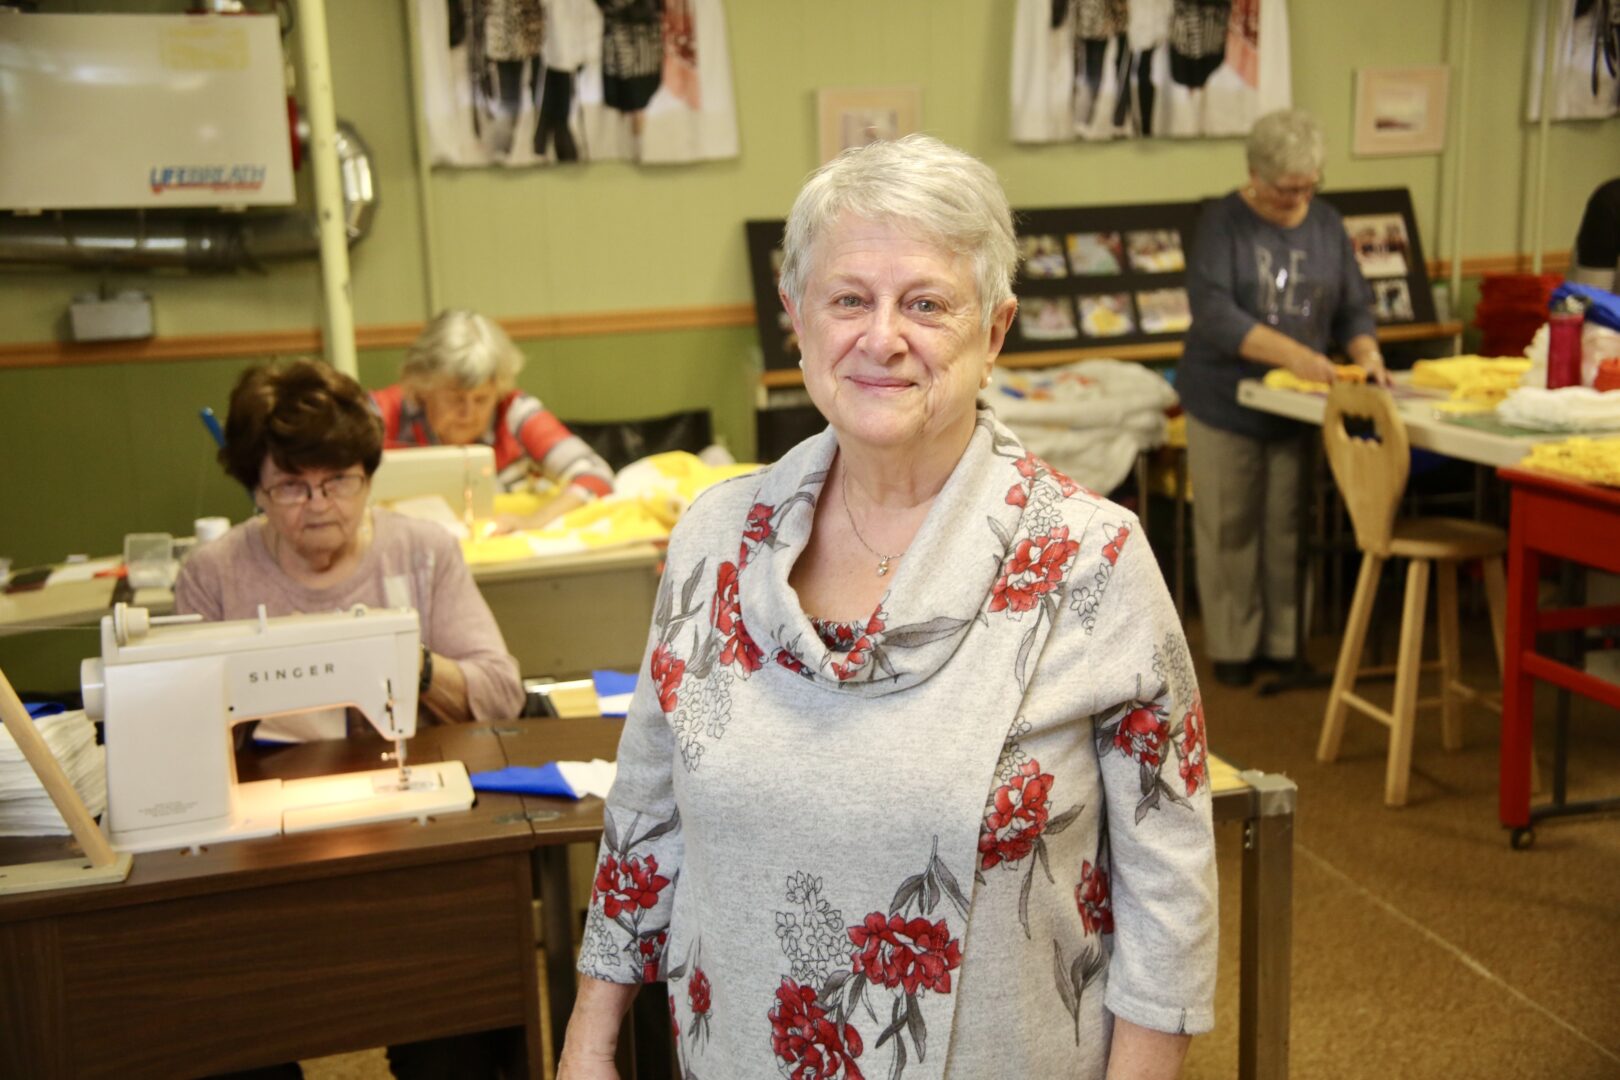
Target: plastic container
{"type": "Point", "coordinates": [149, 558]}
{"type": "Point", "coordinates": [1564, 348]}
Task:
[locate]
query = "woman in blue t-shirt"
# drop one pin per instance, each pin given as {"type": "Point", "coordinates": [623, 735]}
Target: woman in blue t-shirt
{"type": "Point", "coordinates": [1273, 283]}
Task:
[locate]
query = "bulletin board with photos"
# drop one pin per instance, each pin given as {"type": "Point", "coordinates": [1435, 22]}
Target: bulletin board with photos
{"type": "Point", "coordinates": [1096, 276]}
{"type": "Point", "coordinates": [1383, 232]}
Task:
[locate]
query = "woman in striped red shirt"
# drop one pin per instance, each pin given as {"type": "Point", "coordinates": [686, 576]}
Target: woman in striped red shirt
{"type": "Point", "coordinates": [457, 388]}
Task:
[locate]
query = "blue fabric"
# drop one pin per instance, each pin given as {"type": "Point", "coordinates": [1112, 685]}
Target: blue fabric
{"type": "Point", "coordinates": [611, 684]}
{"type": "Point", "coordinates": [1603, 306]}
{"type": "Point", "coordinates": [38, 709]}
{"type": "Point", "coordinates": [544, 779]}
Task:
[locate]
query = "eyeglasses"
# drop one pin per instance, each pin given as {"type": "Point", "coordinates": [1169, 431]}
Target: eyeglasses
{"type": "Point", "coordinates": [1295, 191]}
{"type": "Point", "coordinates": [297, 492]}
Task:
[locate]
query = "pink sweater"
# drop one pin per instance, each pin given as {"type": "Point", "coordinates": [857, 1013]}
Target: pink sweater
{"type": "Point", "coordinates": [415, 563]}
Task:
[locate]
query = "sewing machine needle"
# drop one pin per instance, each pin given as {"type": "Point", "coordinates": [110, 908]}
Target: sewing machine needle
{"type": "Point", "coordinates": [399, 759]}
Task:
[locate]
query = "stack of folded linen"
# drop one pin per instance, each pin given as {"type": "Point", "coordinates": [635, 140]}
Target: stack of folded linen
{"type": "Point", "coordinates": [25, 807]}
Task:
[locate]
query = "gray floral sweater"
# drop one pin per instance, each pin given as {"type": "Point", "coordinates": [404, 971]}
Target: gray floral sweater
{"type": "Point", "coordinates": [953, 840]}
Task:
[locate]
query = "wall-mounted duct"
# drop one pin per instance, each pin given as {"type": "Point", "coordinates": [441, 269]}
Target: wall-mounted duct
{"type": "Point", "coordinates": [190, 239]}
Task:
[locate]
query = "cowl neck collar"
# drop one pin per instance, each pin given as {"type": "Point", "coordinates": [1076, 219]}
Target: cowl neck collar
{"type": "Point", "coordinates": [938, 591]}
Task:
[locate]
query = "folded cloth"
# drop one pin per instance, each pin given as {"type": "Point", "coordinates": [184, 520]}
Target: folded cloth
{"type": "Point", "coordinates": [564, 779]}
{"type": "Point", "coordinates": [613, 691]}
{"type": "Point", "coordinates": [1569, 408]}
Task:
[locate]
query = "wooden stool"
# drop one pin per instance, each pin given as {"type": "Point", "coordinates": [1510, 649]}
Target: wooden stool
{"type": "Point", "coordinates": [1371, 473]}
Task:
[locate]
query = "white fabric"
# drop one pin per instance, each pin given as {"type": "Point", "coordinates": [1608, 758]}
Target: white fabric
{"type": "Point", "coordinates": [26, 809]}
{"type": "Point", "coordinates": [1095, 418]}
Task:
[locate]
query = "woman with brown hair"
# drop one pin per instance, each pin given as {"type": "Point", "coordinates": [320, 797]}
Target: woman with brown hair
{"type": "Point", "coordinates": [303, 439]}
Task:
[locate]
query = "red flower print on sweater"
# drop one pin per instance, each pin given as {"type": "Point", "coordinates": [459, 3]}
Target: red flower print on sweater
{"type": "Point", "coordinates": [759, 522]}
{"type": "Point", "coordinates": [667, 672]}
{"type": "Point", "coordinates": [1141, 735]}
{"type": "Point", "coordinates": [697, 992]}
{"type": "Point", "coordinates": [738, 648]}
{"type": "Point", "coordinates": [791, 662]}
{"type": "Point", "coordinates": [627, 886]}
{"type": "Point", "coordinates": [1091, 897]}
{"type": "Point", "coordinates": [896, 951]}
{"type": "Point", "coordinates": [1194, 749]}
{"type": "Point", "coordinates": [1015, 817]}
{"type": "Point", "coordinates": [849, 638]}
{"type": "Point", "coordinates": [811, 1046]}
{"type": "Point", "coordinates": [1112, 549]}
{"type": "Point", "coordinates": [674, 1021]}
{"type": "Point", "coordinates": [652, 952]}
{"type": "Point", "coordinates": [1036, 568]}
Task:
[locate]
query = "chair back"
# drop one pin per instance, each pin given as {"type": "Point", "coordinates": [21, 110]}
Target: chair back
{"type": "Point", "coordinates": [1370, 456]}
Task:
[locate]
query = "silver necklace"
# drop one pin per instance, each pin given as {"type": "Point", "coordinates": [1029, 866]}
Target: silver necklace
{"type": "Point", "coordinates": [883, 560]}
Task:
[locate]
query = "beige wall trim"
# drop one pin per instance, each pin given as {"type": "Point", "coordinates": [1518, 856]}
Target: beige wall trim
{"type": "Point", "coordinates": [394, 336]}
{"type": "Point", "coordinates": [1552, 262]}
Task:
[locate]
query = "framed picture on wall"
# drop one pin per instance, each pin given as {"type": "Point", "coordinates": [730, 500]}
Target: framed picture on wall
{"type": "Point", "coordinates": [1383, 232]}
{"type": "Point", "coordinates": [1400, 111]}
{"type": "Point", "coordinates": [847, 118]}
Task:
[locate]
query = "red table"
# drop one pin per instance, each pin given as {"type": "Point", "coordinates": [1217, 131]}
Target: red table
{"type": "Point", "coordinates": [1556, 518]}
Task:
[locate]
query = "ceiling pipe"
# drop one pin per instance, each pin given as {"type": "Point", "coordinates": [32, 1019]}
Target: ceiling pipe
{"type": "Point", "coordinates": [208, 240]}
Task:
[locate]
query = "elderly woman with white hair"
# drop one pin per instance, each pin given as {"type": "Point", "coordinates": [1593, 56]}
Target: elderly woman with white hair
{"type": "Point", "coordinates": [1273, 283]}
{"type": "Point", "coordinates": [914, 777]}
{"type": "Point", "coordinates": [458, 387]}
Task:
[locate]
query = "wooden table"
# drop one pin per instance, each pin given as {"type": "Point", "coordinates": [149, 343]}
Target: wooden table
{"type": "Point", "coordinates": [1557, 518]}
{"type": "Point", "coordinates": [1262, 803]}
{"type": "Point", "coordinates": [264, 951]}
{"type": "Point", "coordinates": [561, 615]}
{"type": "Point", "coordinates": [289, 947]}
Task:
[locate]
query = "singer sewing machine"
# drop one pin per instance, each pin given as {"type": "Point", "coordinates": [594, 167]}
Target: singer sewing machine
{"type": "Point", "coordinates": [171, 688]}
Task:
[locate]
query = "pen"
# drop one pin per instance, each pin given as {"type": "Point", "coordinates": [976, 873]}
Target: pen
{"type": "Point", "coordinates": [212, 423]}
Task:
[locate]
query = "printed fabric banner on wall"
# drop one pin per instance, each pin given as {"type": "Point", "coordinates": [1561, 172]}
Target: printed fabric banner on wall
{"type": "Point", "coordinates": [535, 82]}
{"type": "Point", "coordinates": [1586, 61]}
{"type": "Point", "coordinates": [1112, 69]}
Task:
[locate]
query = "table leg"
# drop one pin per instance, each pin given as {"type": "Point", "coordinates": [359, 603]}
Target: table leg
{"type": "Point", "coordinates": [1518, 689]}
{"type": "Point", "coordinates": [1266, 948]}
{"type": "Point", "coordinates": [557, 922]}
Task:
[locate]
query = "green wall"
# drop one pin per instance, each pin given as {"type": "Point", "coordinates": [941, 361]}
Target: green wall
{"type": "Point", "coordinates": [93, 452]}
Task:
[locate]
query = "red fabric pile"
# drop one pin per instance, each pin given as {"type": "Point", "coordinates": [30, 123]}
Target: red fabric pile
{"type": "Point", "coordinates": [1512, 307]}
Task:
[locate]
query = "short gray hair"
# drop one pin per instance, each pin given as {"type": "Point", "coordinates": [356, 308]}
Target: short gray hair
{"type": "Point", "coordinates": [1285, 143]}
{"type": "Point", "coordinates": [465, 347]}
{"type": "Point", "coordinates": [918, 184]}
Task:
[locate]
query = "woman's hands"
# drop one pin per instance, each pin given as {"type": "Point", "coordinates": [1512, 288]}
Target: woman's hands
{"type": "Point", "coordinates": [593, 1030]}
{"type": "Point", "coordinates": [585, 1065]}
{"type": "Point", "coordinates": [1311, 366]}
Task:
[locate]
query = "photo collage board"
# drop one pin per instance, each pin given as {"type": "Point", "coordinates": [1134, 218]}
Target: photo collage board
{"type": "Point", "coordinates": [1384, 233]}
{"type": "Point", "coordinates": [1095, 276]}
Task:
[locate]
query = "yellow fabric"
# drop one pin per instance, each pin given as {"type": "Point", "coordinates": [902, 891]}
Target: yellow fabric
{"type": "Point", "coordinates": [650, 496]}
{"type": "Point", "coordinates": [1283, 379]}
{"type": "Point", "coordinates": [1596, 461]}
{"type": "Point", "coordinates": [1478, 379]}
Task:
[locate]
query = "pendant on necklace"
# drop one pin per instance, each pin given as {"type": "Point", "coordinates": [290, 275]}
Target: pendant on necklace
{"type": "Point", "coordinates": [883, 566]}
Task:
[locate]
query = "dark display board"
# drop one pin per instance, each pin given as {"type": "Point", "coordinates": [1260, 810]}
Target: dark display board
{"type": "Point", "coordinates": [1095, 276]}
{"type": "Point", "coordinates": [1384, 233]}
